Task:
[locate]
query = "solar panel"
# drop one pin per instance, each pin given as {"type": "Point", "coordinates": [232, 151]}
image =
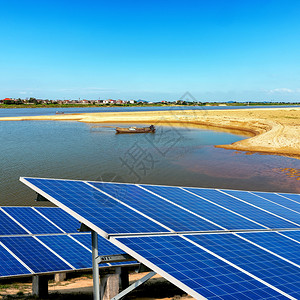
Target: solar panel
{"type": "Point", "coordinates": [256, 214]}
{"type": "Point", "coordinates": [97, 209]}
{"type": "Point", "coordinates": [74, 248]}
{"type": "Point", "coordinates": [34, 254]}
{"type": "Point", "coordinates": [225, 218]}
{"type": "Point", "coordinates": [294, 197]}
{"type": "Point", "coordinates": [272, 207]}
{"type": "Point", "coordinates": [253, 261]}
{"type": "Point", "coordinates": [276, 243]}
{"type": "Point", "coordinates": [9, 265]}
{"type": "Point", "coordinates": [266, 266]}
{"type": "Point", "coordinates": [9, 226]}
{"type": "Point", "coordinates": [198, 272]}
{"type": "Point", "coordinates": [31, 220]}
{"type": "Point", "coordinates": [157, 208]}
{"type": "Point", "coordinates": [295, 235]}
{"type": "Point", "coordinates": [62, 219]}
{"type": "Point", "coordinates": [69, 249]}
{"type": "Point", "coordinates": [104, 246]}
{"type": "Point", "coordinates": [286, 202]}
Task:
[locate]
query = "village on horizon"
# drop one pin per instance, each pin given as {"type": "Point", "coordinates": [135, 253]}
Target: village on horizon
{"type": "Point", "coordinates": [44, 102]}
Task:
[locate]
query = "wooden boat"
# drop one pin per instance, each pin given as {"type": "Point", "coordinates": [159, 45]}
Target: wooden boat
{"type": "Point", "coordinates": [135, 129]}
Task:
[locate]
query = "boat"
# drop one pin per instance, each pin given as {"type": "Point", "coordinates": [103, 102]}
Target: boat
{"type": "Point", "coordinates": [133, 129]}
{"type": "Point", "coordinates": [59, 112]}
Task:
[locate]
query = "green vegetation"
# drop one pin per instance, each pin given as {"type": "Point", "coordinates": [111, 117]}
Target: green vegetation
{"type": "Point", "coordinates": [33, 102]}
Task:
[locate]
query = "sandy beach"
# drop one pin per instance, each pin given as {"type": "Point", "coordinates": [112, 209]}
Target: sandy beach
{"type": "Point", "coordinates": [273, 131]}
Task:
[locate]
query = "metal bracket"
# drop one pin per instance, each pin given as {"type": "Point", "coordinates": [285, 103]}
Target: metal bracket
{"type": "Point", "coordinates": [39, 197]}
{"type": "Point", "coordinates": [134, 286]}
{"type": "Point", "coordinates": [84, 228]}
{"type": "Point", "coordinates": [114, 258]}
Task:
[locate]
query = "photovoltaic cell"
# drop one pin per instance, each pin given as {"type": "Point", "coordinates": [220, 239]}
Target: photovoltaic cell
{"type": "Point", "coordinates": [253, 213]}
{"type": "Point", "coordinates": [294, 197]}
{"type": "Point", "coordinates": [204, 208]}
{"type": "Point", "coordinates": [276, 243]}
{"type": "Point", "coordinates": [8, 226]}
{"type": "Point", "coordinates": [70, 250]}
{"type": "Point", "coordinates": [248, 265]}
{"type": "Point", "coordinates": [31, 220]}
{"type": "Point", "coordinates": [162, 211]}
{"type": "Point", "coordinates": [34, 255]}
{"type": "Point", "coordinates": [61, 218]}
{"type": "Point", "coordinates": [280, 200]}
{"type": "Point", "coordinates": [251, 258]}
{"type": "Point", "coordinates": [104, 246]}
{"type": "Point", "coordinates": [267, 205]}
{"type": "Point", "coordinates": [198, 270]}
{"type": "Point", "coordinates": [10, 266]}
{"type": "Point", "coordinates": [97, 208]}
{"type": "Point", "coordinates": [292, 234]}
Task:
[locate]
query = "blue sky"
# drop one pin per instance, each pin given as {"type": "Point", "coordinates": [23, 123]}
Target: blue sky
{"type": "Point", "coordinates": [157, 50]}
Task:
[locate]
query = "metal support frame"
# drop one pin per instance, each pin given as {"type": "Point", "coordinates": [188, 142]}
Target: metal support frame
{"type": "Point", "coordinates": [134, 286]}
{"type": "Point", "coordinates": [96, 277]}
{"type": "Point", "coordinates": [111, 258]}
{"type": "Point", "coordinates": [114, 258]}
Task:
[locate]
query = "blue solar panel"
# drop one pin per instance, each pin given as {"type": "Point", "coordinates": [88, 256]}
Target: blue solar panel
{"type": "Point", "coordinates": [242, 208]}
{"type": "Point", "coordinates": [70, 250]}
{"type": "Point", "coordinates": [34, 255]}
{"type": "Point", "coordinates": [162, 211]}
{"type": "Point", "coordinates": [97, 208]}
{"type": "Point", "coordinates": [276, 243]}
{"type": "Point", "coordinates": [204, 208]}
{"type": "Point", "coordinates": [31, 220]}
{"type": "Point", "coordinates": [9, 265]}
{"type": "Point", "coordinates": [267, 205]}
{"type": "Point", "coordinates": [235, 268]}
{"type": "Point", "coordinates": [294, 197]}
{"type": "Point", "coordinates": [280, 200]}
{"type": "Point", "coordinates": [8, 226]}
{"type": "Point", "coordinates": [292, 234]}
{"type": "Point", "coordinates": [198, 270]}
{"type": "Point", "coordinates": [258, 262]}
{"type": "Point", "coordinates": [104, 246]}
{"type": "Point", "coordinates": [61, 218]}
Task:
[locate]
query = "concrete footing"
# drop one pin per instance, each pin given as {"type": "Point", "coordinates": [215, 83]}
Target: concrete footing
{"type": "Point", "coordinates": [60, 277]}
{"type": "Point", "coordinates": [113, 283]}
{"type": "Point", "coordinates": [40, 286]}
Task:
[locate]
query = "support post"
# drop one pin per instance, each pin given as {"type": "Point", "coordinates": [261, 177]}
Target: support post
{"type": "Point", "coordinates": [40, 286]}
{"type": "Point", "coordinates": [58, 277]}
{"type": "Point", "coordinates": [96, 283]}
{"type": "Point", "coordinates": [124, 278]}
{"type": "Point", "coordinates": [133, 286]}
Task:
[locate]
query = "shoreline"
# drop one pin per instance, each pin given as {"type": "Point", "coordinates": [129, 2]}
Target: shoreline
{"type": "Point", "coordinates": [274, 130]}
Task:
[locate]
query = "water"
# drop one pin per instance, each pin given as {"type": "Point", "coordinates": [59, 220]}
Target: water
{"type": "Point", "coordinates": [41, 111]}
{"type": "Point", "coordinates": [172, 156]}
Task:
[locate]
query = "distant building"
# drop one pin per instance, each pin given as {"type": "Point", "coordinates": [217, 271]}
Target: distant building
{"type": "Point", "coordinates": [142, 101]}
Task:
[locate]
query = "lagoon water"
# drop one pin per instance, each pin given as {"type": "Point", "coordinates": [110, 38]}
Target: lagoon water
{"type": "Point", "coordinates": [41, 111]}
{"type": "Point", "coordinates": [172, 156]}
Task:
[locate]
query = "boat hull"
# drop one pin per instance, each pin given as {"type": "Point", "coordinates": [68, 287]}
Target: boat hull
{"type": "Point", "coordinates": [134, 130]}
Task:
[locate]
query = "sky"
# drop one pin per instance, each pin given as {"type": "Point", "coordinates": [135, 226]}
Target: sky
{"type": "Point", "coordinates": [217, 50]}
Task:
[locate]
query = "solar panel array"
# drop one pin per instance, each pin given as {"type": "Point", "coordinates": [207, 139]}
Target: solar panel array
{"type": "Point", "coordinates": [211, 243]}
{"type": "Point", "coordinates": [35, 240]}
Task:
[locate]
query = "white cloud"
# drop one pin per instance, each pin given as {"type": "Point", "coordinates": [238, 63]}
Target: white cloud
{"type": "Point", "coordinates": [281, 90]}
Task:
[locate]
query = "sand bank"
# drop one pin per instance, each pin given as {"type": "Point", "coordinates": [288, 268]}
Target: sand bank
{"type": "Point", "coordinates": [274, 131]}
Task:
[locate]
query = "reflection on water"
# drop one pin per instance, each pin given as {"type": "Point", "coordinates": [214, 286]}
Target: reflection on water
{"type": "Point", "coordinates": [290, 172]}
{"type": "Point", "coordinates": [174, 155]}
